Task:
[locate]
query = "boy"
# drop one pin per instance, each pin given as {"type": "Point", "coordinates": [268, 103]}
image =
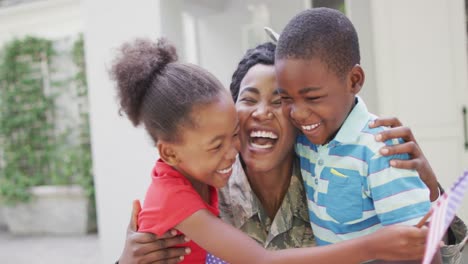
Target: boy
{"type": "Point", "coordinates": [351, 189]}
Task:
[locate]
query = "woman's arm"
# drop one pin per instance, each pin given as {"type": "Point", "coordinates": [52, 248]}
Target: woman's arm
{"type": "Point", "coordinates": [231, 245]}
{"type": "Point", "coordinates": [146, 248]}
{"type": "Point", "coordinates": [417, 162]}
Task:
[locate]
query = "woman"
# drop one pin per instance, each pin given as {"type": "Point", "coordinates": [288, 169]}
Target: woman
{"type": "Point", "coordinates": [265, 196]}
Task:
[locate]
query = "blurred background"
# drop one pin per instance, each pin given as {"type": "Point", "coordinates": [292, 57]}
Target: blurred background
{"type": "Point", "coordinates": [70, 166]}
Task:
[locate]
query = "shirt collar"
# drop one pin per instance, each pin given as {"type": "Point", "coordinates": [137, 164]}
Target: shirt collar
{"type": "Point", "coordinates": [357, 119]}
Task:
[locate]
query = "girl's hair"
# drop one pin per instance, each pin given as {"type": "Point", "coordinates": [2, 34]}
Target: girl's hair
{"type": "Point", "coordinates": [262, 54]}
{"type": "Point", "coordinates": [156, 90]}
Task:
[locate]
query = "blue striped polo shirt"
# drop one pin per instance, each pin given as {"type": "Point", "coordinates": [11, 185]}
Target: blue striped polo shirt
{"type": "Point", "coordinates": [351, 189]}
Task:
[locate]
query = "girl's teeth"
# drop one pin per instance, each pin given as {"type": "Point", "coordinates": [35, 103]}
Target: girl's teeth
{"type": "Point", "coordinates": [225, 170]}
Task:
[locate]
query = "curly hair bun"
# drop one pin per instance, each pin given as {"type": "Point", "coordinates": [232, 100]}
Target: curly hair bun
{"type": "Point", "coordinates": [134, 69]}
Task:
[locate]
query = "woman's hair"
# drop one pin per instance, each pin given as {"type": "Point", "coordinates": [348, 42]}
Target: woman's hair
{"type": "Point", "coordinates": [262, 54]}
{"type": "Point", "coordinates": [156, 90]}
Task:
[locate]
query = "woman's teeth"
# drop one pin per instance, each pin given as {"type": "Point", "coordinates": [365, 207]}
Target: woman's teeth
{"type": "Point", "coordinates": [311, 127]}
{"type": "Point", "coordinates": [266, 146]}
{"type": "Point", "coordinates": [263, 134]}
{"type": "Point", "coordinates": [263, 139]}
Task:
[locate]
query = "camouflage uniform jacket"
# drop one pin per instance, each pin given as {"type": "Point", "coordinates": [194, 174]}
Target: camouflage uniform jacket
{"type": "Point", "coordinates": [241, 208]}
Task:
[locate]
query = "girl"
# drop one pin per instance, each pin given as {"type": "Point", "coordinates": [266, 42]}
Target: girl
{"type": "Point", "coordinates": [193, 122]}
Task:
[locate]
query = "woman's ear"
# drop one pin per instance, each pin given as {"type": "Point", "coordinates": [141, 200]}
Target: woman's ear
{"type": "Point", "coordinates": [167, 152]}
{"type": "Point", "coordinates": [357, 78]}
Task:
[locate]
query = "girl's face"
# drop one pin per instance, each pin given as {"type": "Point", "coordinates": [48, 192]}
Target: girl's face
{"type": "Point", "coordinates": [207, 151]}
{"type": "Point", "coordinates": [266, 135]}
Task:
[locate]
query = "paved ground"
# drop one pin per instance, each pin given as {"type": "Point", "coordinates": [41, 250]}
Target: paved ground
{"type": "Point", "coordinates": [48, 250]}
{"type": "Point", "coordinates": [58, 250]}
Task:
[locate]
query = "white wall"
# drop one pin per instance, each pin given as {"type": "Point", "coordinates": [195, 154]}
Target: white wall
{"type": "Point", "coordinates": [122, 155]}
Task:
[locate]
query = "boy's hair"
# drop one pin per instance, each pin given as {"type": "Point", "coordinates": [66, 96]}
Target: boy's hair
{"type": "Point", "coordinates": [261, 54]}
{"type": "Point", "coordinates": [321, 33]}
{"type": "Point", "coordinates": [156, 90]}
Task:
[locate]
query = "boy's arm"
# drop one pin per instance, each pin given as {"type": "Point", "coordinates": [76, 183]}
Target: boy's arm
{"type": "Point", "coordinates": [231, 245]}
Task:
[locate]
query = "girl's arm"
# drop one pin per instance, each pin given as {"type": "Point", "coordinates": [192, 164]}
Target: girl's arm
{"type": "Point", "coordinates": [231, 245]}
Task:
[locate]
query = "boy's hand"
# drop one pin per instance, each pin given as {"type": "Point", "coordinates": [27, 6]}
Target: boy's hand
{"type": "Point", "coordinates": [417, 162]}
{"type": "Point", "coordinates": [144, 248]}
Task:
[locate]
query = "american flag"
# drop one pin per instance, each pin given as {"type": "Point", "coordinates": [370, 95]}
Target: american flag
{"type": "Point", "coordinates": [443, 214]}
{"type": "Point", "coordinates": [210, 259]}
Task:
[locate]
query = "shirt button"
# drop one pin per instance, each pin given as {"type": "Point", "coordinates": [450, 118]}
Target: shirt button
{"type": "Point", "coordinates": [320, 162]}
{"type": "Point", "coordinates": [316, 181]}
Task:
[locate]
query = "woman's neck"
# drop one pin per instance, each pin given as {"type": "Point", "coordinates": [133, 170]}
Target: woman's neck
{"type": "Point", "coordinates": [271, 186]}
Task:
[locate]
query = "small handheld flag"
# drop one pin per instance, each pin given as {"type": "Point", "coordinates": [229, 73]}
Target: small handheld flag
{"type": "Point", "coordinates": [442, 215]}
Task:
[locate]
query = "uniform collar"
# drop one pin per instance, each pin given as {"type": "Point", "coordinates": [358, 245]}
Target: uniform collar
{"type": "Point", "coordinates": [245, 204]}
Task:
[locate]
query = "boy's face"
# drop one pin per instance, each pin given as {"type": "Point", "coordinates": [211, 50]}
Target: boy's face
{"type": "Point", "coordinates": [315, 99]}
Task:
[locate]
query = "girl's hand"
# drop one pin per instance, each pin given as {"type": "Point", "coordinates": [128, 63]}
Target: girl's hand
{"type": "Point", "coordinates": [417, 162]}
{"type": "Point", "coordinates": [398, 242]}
{"type": "Point", "coordinates": [144, 248]}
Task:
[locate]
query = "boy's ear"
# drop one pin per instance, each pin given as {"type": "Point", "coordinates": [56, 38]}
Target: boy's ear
{"type": "Point", "coordinates": [356, 78]}
{"type": "Point", "coordinates": [167, 152]}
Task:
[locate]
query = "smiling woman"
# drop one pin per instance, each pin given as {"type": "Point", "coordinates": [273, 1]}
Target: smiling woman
{"type": "Point", "coordinates": [265, 196]}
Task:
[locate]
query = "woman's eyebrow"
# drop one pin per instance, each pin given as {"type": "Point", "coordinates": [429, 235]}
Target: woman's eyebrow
{"type": "Point", "coordinates": [250, 89]}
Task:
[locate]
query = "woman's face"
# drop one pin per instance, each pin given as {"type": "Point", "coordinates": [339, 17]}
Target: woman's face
{"type": "Point", "coordinates": [266, 135]}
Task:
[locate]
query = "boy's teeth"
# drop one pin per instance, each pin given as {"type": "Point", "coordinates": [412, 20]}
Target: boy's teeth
{"type": "Point", "coordinates": [263, 134]}
{"type": "Point", "coordinates": [225, 170]}
{"type": "Point", "coordinates": [310, 127]}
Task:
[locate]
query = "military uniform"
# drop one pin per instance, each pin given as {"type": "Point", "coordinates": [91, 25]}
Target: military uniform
{"type": "Point", "coordinates": [240, 207]}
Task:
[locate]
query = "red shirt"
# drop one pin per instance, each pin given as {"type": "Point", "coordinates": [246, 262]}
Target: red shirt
{"type": "Point", "coordinates": [169, 200]}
